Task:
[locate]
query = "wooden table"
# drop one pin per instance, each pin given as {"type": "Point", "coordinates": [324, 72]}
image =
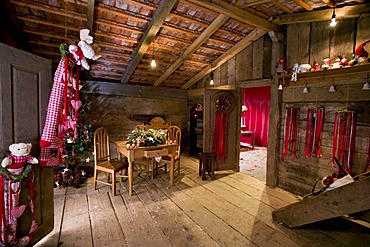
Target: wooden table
{"type": "Point", "coordinates": [249, 134]}
{"type": "Point", "coordinates": [138, 152]}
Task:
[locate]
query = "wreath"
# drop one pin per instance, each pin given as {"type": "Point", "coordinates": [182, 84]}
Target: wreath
{"type": "Point", "coordinates": [14, 177]}
{"type": "Point", "coordinates": [223, 102]}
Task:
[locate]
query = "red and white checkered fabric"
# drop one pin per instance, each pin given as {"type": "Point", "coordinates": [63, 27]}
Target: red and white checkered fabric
{"type": "Point", "coordinates": [55, 102]}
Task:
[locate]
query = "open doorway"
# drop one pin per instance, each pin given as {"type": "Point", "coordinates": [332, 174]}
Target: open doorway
{"type": "Point", "coordinates": [255, 118]}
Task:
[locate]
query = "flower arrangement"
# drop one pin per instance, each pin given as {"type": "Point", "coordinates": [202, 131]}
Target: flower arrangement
{"type": "Point", "coordinates": [151, 137]}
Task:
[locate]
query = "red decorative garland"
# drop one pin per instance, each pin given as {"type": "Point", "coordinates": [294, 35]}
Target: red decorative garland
{"type": "Point", "coordinates": [290, 145]}
{"type": "Point", "coordinates": [315, 120]}
{"type": "Point", "coordinates": [344, 138]}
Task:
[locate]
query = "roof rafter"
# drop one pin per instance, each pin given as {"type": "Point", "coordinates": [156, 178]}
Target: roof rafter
{"type": "Point", "coordinates": [155, 24]}
{"type": "Point", "coordinates": [237, 13]}
{"type": "Point", "coordinates": [245, 42]}
{"type": "Point", "coordinates": [90, 14]}
{"type": "Point", "coordinates": [211, 29]}
{"type": "Point", "coordinates": [324, 15]}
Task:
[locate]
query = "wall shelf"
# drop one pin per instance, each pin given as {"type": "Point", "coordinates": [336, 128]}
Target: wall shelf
{"type": "Point", "coordinates": [302, 78]}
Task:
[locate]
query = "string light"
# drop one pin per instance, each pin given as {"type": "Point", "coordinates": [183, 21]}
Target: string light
{"type": "Point", "coordinates": [333, 21]}
{"type": "Point", "coordinates": [153, 63]}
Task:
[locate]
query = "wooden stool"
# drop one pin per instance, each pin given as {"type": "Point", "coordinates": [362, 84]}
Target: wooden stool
{"type": "Point", "coordinates": [207, 164]}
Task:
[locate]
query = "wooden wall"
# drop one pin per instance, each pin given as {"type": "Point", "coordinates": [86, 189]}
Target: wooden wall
{"type": "Point", "coordinates": [310, 42]}
{"type": "Point", "coordinates": [120, 107]}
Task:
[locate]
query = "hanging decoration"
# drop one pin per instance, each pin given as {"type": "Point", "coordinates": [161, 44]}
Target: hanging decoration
{"type": "Point", "coordinates": [64, 102]}
{"type": "Point", "coordinates": [223, 103]}
{"type": "Point", "coordinates": [290, 145]}
{"type": "Point", "coordinates": [14, 168]}
{"type": "Point", "coordinates": [315, 120]}
{"type": "Point", "coordinates": [344, 138]}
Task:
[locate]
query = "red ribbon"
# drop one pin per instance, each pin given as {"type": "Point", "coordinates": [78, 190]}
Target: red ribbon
{"type": "Point", "coordinates": [220, 134]}
{"type": "Point", "coordinates": [344, 138]}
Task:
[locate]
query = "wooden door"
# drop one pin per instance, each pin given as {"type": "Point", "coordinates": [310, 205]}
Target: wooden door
{"type": "Point", "coordinates": [231, 161]}
{"type": "Point", "coordinates": [26, 81]}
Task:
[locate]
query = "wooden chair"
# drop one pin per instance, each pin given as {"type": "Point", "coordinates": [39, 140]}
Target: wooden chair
{"type": "Point", "coordinates": [173, 134]}
{"type": "Point", "coordinates": [103, 162]}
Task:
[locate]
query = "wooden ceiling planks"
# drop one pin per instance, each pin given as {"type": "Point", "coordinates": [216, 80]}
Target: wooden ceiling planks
{"type": "Point", "coordinates": [185, 49]}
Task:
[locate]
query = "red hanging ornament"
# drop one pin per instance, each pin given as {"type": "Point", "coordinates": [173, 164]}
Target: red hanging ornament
{"type": "Point", "coordinates": [344, 138]}
{"type": "Point", "coordinates": [315, 120]}
{"type": "Point", "coordinates": [290, 146]}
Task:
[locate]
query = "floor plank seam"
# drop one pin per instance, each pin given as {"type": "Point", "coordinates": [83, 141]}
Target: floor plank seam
{"type": "Point", "coordinates": [61, 220]}
{"type": "Point", "coordinates": [89, 211]}
{"type": "Point", "coordinates": [117, 218]}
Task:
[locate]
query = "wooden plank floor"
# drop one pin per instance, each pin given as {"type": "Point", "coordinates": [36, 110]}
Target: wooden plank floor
{"type": "Point", "coordinates": [233, 210]}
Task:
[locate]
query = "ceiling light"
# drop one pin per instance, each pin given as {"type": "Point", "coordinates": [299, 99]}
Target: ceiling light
{"type": "Point", "coordinates": [280, 87]}
{"type": "Point", "coordinates": [306, 90]}
{"type": "Point", "coordinates": [153, 63]}
{"type": "Point", "coordinates": [211, 82]}
{"type": "Point", "coordinates": [333, 21]}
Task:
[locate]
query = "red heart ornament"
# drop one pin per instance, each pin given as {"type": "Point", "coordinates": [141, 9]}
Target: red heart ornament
{"type": "Point", "coordinates": [18, 211]}
{"type": "Point", "coordinates": [76, 104]}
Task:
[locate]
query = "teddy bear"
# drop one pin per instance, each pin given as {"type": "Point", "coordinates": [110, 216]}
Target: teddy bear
{"type": "Point", "coordinates": [19, 156]}
{"type": "Point", "coordinates": [11, 191]}
{"type": "Point", "coordinates": [84, 50]}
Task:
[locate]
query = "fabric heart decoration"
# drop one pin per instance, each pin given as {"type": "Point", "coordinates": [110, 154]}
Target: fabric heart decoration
{"type": "Point", "coordinates": [18, 211]}
{"type": "Point", "coordinates": [15, 187]}
{"type": "Point", "coordinates": [158, 158]}
{"type": "Point", "coordinates": [76, 104]}
{"type": "Point", "coordinates": [61, 128]}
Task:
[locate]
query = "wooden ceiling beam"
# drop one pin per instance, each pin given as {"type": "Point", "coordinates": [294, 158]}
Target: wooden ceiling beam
{"type": "Point", "coordinates": [282, 6]}
{"type": "Point", "coordinates": [248, 40]}
{"type": "Point", "coordinates": [155, 24]}
{"type": "Point", "coordinates": [254, 2]}
{"type": "Point", "coordinates": [90, 14]}
{"type": "Point", "coordinates": [237, 13]}
{"type": "Point", "coordinates": [304, 5]}
{"type": "Point", "coordinates": [324, 15]}
{"type": "Point", "coordinates": [211, 29]}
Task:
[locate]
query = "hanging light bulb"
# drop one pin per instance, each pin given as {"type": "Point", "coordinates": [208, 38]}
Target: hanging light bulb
{"type": "Point", "coordinates": [333, 21]}
{"type": "Point", "coordinates": [280, 87]}
{"type": "Point", "coordinates": [153, 63]}
{"type": "Point", "coordinates": [211, 82]}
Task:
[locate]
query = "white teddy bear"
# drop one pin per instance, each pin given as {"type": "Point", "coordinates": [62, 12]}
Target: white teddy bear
{"type": "Point", "coordinates": [19, 156]}
{"type": "Point", "coordinates": [84, 49]}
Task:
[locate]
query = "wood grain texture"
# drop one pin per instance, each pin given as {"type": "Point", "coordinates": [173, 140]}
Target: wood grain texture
{"type": "Point", "coordinates": [233, 210]}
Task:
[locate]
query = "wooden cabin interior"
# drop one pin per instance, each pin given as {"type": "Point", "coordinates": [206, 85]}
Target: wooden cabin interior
{"type": "Point", "coordinates": [235, 76]}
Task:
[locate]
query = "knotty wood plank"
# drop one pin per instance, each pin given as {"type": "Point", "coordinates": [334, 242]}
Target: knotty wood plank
{"type": "Point", "coordinates": [216, 228]}
{"type": "Point", "coordinates": [343, 44]}
{"type": "Point", "coordinates": [257, 59]}
{"type": "Point", "coordinates": [326, 205]}
{"type": "Point", "coordinates": [320, 42]}
{"type": "Point", "coordinates": [244, 64]}
{"type": "Point", "coordinates": [297, 45]}
{"type": "Point", "coordinates": [261, 211]}
{"type": "Point", "coordinates": [242, 222]}
{"type": "Point", "coordinates": [259, 195]}
{"type": "Point", "coordinates": [75, 230]}
{"type": "Point", "coordinates": [105, 228]}
{"type": "Point", "coordinates": [175, 224]}
{"type": "Point", "coordinates": [52, 239]}
{"type": "Point", "coordinates": [137, 224]}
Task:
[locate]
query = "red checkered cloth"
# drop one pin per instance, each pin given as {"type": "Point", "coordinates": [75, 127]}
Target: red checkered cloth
{"type": "Point", "coordinates": [55, 103]}
{"type": "Point", "coordinates": [19, 161]}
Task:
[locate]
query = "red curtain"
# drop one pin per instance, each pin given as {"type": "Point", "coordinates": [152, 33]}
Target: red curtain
{"type": "Point", "coordinates": [257, 117]}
